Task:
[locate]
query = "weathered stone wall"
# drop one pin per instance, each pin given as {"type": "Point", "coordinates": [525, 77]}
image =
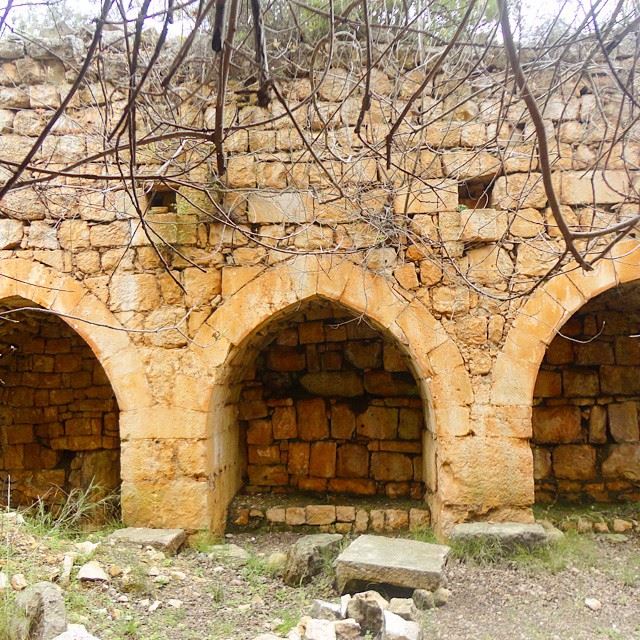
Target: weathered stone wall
{"type": "Point", "coordinates": [329, 405]}
{"type": "Point", "coordinates": [585, 419]}
{"type": "Point", "coordinates": [58, 414]}
{"type": "Point", "coordinates": [440, 252]}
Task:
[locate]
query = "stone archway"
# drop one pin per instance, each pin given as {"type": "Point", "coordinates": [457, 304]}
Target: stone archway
{"type": "Point", "coordinates": [435, 361]}
{"type": "Point", "coordinates": [99, 330]}
{"type": "Point", "coordinates": [537, 324]}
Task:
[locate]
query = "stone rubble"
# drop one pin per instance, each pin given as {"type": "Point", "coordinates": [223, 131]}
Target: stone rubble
{"type": "Point", "coordinates": [308, 555]}
{"type": "Point", "coordinates": [166, 540]}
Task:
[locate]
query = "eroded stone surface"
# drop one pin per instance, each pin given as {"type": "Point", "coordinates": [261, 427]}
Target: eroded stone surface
{"type": "Point", "coordinates": [307, 556]}
{"type": "Point", "coordinates": [167, 540]}
{"type": "Point", "coordinates": [508, 534]}
{"type": "Point", "coordinates": [398, 562]}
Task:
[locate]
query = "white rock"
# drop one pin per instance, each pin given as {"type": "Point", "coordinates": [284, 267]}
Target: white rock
{"type": "Point", "coordinates": [320, 630]}
{"type": "Point", "coordinates": [87, 547]}
{"type": "Point", "coordinates": [347, 629]}
{"type": "Point", "coordinates": [4, 580]}
{"type": "Point", "coordinates": [67, 565]}
{"type": "Point", "coordinates": [92, 572]}
{"type": "Point", "coordinates": [397, 628]}
{"type": "Point", "coordinates": [593, 603]}
{"type": "Point", "coordinates": [175, 603]}
{"type": "Point", "coordinates": [75, 632]}
{"type": "Point", "coordinates": [18, 582]}
{"type": "Point", "coordinates": [323, 610]}
{"type": "Point", "coordinates": [404, 607]}
{"type": "Point", "coordinates": [154, 606]}
{"type": "Point", "coordinates": [153, 571]}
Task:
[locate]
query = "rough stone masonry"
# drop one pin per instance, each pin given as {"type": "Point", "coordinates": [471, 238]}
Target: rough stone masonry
{"type": "Point", "coordinates": [453, 357]}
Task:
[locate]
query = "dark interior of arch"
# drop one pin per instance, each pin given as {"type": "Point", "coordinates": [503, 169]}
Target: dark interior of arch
{"type": "Point", "coordinates": [58, 411]}
{"type": "Point", "coordinates": [328, 404]}
{"type": "Point", "coordinates": [586, 435]}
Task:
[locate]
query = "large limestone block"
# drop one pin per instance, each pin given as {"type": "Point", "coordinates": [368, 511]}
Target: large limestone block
{"type": "Point", "coordinates": [623, 462]}
{"type": "Point", "coordinates": [307, 556]}
{"type": "Point", "coordinates": [167, 540]}
{"type": "Point", "coordinates": [623, 422]}
{"type": "Point", "coordinates": [11, 233]}
{"type": "Point", "coordinates": [279, 206]}
{"type": "Point", "coordinates": [41, 613]}
{"type": "Point", "coordinates": [575, 462]}
{"type": "Point", "coordinates": [482, 225]}
{"type": "Point", "coordinates": [508, 535]}
{"type": "Point", "coordinates": [605, 187]}
{"type": "Point", "coordinates": [519, 190]}
{"type": "Point", "coordinates": [391, 561]}
{"type": "Point", "coordinates": [556, 424]}
{"type": "Point", "coordinates": [430, 197]}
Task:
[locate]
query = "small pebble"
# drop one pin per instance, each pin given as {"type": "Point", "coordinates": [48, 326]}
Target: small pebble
{"type": "Point", "coordinates": [593, 603]}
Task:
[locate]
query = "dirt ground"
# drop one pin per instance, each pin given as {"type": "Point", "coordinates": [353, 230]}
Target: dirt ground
{"type": "Point", "coordinates": [197, 595]}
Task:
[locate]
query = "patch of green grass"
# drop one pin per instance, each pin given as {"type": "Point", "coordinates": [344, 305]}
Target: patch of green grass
{"type": "Point", "coordinates": [204, 540]}
{"type": "Point", "coordinates": [217, 592]}
{"type": "Point", "coordinates": [70, 518]}
{"type": "Point", "coordinates": [290, 618]}
{"type": "Point", "coordinates": [137, 582]}
{"type": "Point", "coordinates": [573, 549]}
{"type": "Point", "coordinates": [480, 551]}
{"type": "Point", "coordinates": [424, 534]}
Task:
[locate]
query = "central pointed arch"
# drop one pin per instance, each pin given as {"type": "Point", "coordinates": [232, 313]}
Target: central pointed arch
{"type": "Point", "coordinates": [435, 361]}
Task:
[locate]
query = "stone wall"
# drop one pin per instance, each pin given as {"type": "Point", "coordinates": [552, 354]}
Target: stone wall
{"type": "Point", "coordinates": [58, 414]}
{"type": "Point", "coordinates": [441, 252]}
{"type": "Point", "coordinates": [330, 406]}
{"type": "Point", "coordinates": [585, 420]}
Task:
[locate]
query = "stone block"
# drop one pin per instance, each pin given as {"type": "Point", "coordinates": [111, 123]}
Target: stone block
{"type": "Point", "coordinates": [622, 462]}
{"type": "Point", "coordinates": [430, 197]}
{"type": "Point", "coordinates": [601, 187]}
{"type": "Point", "coordinates": [353, 461]}
{"type": "Point", "coordinates": [286, 359]}
{"type": "Point", "coordinates": [378, 423]}
{"type": "Point", "coordinates": [355, 486]}
{"type": "Point", "coordinates": [269, 454]}
{"type": "Point", "coordinates": [319, 514]}
{"type": "Point", "coordinates": [279, 206]}
{"type": "Point", "coordinates": [574, 462]}
{"type": "Point", "coordinates": [276, 515]}
{"type": "Point", "coordinates": [312, 419]}
{"type": "Point", "coordinates": [298, 461]}
{"type": "Point", "coordinates": [260, 432]}
{"type": "Point", "coordinates": [263, 475]}
{"type": "Point", "coordinates": [322, 459]}
{"type": "Point", "coordinates": [284, 423]}
{"type": "Point", "coordinates": [615, 380]}
{"type": "Point", "coordinates": [364, 355]}
{"type": "Point", "coordinates": [167, 540]}
{"type": "Point", "coordinates": [333, 383]}
{"type": "Point", "coordinates": [201, 286]}
{"type": "Point", "coordinates": [385, 383]}
{"type": "Point", "coordinates": [482, 225]}
{"type": "Point", "coordinates": [598, 424]}
{"type": "Point", "coordinates": [519, 190]}
{"type": "Point", "coordinates": [410, 424]}
{"type": "Point", "coordinates": [509, 535]}
{"type": "Point", "coordinates": [295, 516]}
{"type": "Point", "coordinates": [11, 234]}
{"type": "Point", "coordinates": [580, 383]}
{"type": "Point", "coordinates": [343, 421]}
{"type": "Point", "coordinates": [623, 422]}
{"type": "Point", "coordinates": [391, 466]}
{"type": "Point", "coordinates": [376, 560]}
{"type": "Point", "coordinates": [548, 384]}
{"type": "Point", "coordinates": [552, 425]}
{"type": "Point", "coordinates": [345, 514]}
{"type": "Point", "coordinates": [541, 463]}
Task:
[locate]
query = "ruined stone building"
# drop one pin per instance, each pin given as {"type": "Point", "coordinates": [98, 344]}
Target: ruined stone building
{"type": "Point", "coordinates": [385, 340]}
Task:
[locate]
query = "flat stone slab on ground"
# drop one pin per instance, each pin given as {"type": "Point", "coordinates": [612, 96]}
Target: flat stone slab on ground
{"type": "Point", "coordinates": [167, 540]}
{"type": "Point", "coordinates": [508, 535]}
{"type": "Point", "coordinates": [394, 561]}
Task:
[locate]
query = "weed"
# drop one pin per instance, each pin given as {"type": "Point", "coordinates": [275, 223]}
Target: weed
{"type": "Point", "coordinates": [136, 582]}
{"type": "Point", "coordinates": [424, 534]}
{"type": "Point", "coordinates": [203, 541]}
{"type": "Point", "coordinates": [69, 518]}
{"type": "Point", "coordinates": [217, 592]}
{"type": "Point", "coordinates": [481, 551]}
{"type": "Point", "coordinates": [571, 550]}
{"type": "Point", "coordinates": [290, 618]}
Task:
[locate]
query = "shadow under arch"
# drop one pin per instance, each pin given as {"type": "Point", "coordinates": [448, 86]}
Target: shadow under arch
{"type": "Point", "coordinates": [88, 317]}
{"type": "Point", "coordinates": [226, 337]}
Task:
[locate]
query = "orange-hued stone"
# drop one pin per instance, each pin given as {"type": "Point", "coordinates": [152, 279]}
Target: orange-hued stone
{"type": "Point", "coordinates": [312, 419]}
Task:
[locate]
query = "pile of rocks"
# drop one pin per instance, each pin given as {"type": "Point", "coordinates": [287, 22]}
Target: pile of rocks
{"type": "Point", "coordinates": [366, 614]}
